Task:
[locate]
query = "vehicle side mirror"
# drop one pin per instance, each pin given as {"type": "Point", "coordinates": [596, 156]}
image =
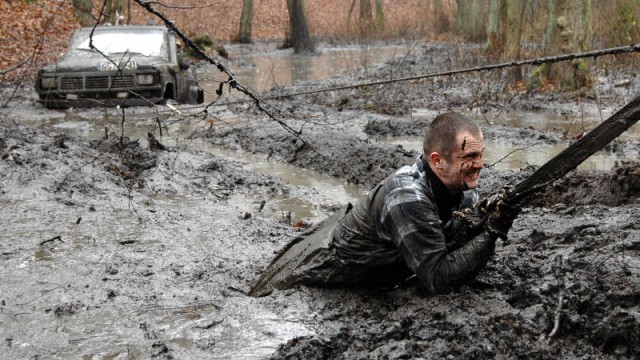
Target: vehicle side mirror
{"type": "Point", "coordinates": [183, 64]}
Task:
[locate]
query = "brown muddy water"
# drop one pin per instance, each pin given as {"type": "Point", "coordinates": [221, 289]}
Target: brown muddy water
{"type": "Point", "coordinates": [333, 189]}
{"type": "Point", "coordinates": [265, 67]}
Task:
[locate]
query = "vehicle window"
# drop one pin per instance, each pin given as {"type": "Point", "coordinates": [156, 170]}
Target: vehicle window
{"type": "Point", "coordinates": [144, 43]}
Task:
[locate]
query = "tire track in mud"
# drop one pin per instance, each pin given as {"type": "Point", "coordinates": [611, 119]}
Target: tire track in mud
{"type": "Point", "coordinates": [332, 151]}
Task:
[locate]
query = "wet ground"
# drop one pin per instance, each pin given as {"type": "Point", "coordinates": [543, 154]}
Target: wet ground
{"type": "Point", "coordinates": [114, 249]}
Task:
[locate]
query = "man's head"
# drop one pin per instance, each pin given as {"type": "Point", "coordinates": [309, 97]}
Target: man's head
{"type": "Point", "coordinates": [453, 147]}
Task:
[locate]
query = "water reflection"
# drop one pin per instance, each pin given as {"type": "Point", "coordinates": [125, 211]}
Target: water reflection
{"type": "Point", "coordinates": [335, 190]}
{"type": "Point", "coordinates": [570, 124]}
{"type": "Point", "coordinates": [274, 68]}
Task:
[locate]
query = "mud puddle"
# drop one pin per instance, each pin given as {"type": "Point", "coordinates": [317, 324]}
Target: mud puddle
{"type": "Point", "coordinates": [95, 268]}
{"type": "Point", "coordinates": [502, 155]}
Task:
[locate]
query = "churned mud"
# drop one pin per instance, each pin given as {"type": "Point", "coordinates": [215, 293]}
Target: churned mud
{"type": "Point", "coordinates": [111, 248]}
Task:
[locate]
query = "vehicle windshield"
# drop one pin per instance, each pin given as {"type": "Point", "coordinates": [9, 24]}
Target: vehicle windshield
{"type": "Point", "coordinates": [147, 43]}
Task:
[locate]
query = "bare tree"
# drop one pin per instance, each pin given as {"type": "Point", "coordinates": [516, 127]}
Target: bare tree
{"type": "Point", "coordinates": [571, 32]}
{"type": "Point", "coordinates": [366, 24]}
{"type": "Point", "coordinates": [442, 23]}
{"type": "Point", "coordinates": [246, 22]}
{"type": "Point", "coordinates": [514, 30]}
{"type": "Point", "coordinates": [300, 36]}
{"type": "Point", "coordinates": [380, 23]}
{"type": "Point", "coordinates": [493, 27]}
{"type": "Point", "coordinates": [470, 19]}
{"type": "Point", "coordinates": [365, 18]}
{"type": "Point", "coordinates": [505, 32]}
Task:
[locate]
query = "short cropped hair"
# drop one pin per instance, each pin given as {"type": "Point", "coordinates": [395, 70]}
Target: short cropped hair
{"type": "Point", "coordinates": [440, 135]}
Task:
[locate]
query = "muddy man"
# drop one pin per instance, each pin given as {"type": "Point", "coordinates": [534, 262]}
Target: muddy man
{"type": "Point", "coordinates": [413, 222]}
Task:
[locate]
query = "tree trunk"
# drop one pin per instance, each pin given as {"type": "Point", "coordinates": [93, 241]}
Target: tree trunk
{"type": "Point", "coordinates": [571, 33]}
{"type": "Point", "coordinates": [365, 18]}
{"type": "Point", "coordinates": [129, 12]}
{"type": "Point", "coordinates": [505, 32]}
{"type": "Point", "coordinates": [299, 30]}
{"type": "Point", "coordinates": [350, 14]}
{"type": "Point", "coordinates": [83, 12]}
{"type": "Point", "coordinates": [513, 30]}
{"type": "Point", "coordinates": [379, 17]}
{"type": "Point", "coordinates": [442, 23]}
{"type": "Point", "coordinates": [246, 22]}
{"type": "Point", "coordinates": [477, 32]}
{"type": "Point", "coordinates": [551, 7]}
{"type": "Point", "coordinates": [494, 43]}
{"type": "Point", "coordinates": [470, 19]}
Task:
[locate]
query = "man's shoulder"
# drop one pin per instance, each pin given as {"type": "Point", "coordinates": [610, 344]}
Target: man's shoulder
{"type": "Point", "coordinates": [407, 170]}
{"type": "Point", "coordinates": [409, 178]}
{"type": "Point", "coordinates": [413, 172]}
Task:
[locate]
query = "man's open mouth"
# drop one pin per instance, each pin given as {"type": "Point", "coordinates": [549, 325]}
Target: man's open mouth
{"type": "Point", "coordinates": [472, 176]}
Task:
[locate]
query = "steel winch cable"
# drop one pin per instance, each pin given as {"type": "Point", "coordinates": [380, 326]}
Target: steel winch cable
{"type": "Point", "coordinates": [536, 61]}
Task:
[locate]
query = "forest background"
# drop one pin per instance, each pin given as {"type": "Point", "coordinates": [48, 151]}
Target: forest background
{"type": "Point", "coordinates": [36, 32]}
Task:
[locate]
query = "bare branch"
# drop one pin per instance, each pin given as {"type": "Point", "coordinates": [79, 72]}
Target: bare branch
{"type": "Point", "coordinates": [18, 65]}
{"type": "Point", "coordinates": [507, 155]}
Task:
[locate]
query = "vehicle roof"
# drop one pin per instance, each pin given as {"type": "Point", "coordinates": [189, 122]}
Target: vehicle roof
{"type": "Point", "coordinates": [115, 28]}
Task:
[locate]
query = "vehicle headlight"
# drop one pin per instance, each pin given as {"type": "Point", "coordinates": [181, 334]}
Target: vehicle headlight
{"type": "Point", "coordinates": [145, 79]}
{"type": "Point", "coordinates": [49, 82]}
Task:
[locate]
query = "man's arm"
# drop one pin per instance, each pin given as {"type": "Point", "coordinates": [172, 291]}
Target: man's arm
{"type": "Point", "coordinates": [416, 229]}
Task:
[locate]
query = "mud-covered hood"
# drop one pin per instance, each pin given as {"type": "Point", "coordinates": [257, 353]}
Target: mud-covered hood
{"type": "Point", "coordinates": [97, 62]}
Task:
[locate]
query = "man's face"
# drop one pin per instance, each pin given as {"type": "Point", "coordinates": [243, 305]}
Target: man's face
{"type": "Point", "coordinates": [460, 171]}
